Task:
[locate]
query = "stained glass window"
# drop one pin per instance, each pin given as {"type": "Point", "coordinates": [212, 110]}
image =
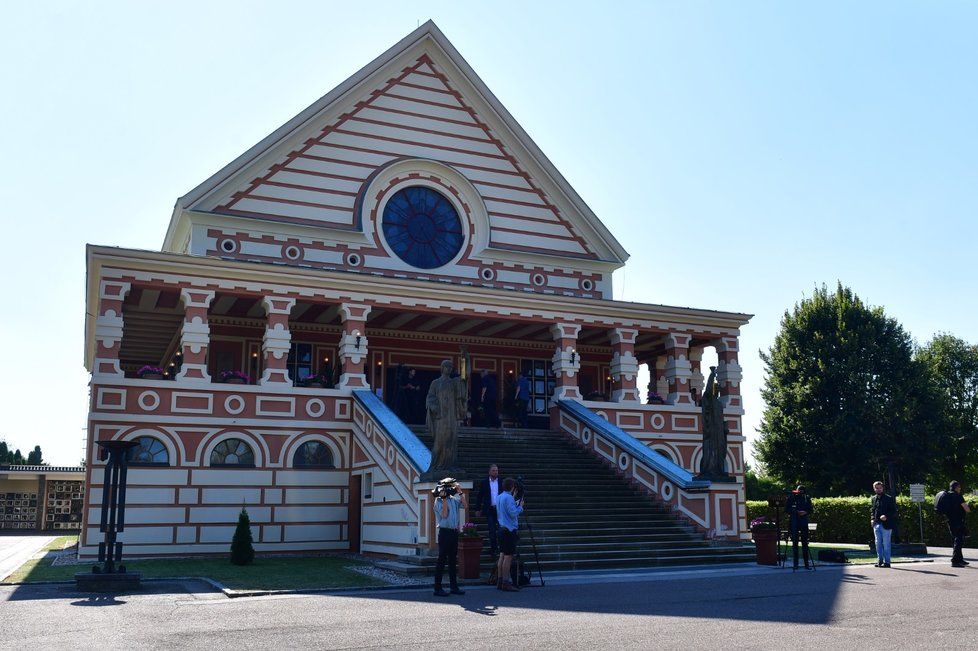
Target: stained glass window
{"type": "Point", "coordinates": [149, 452]}
{"type": "Point", "coordinates": [233, 452]}
{"type": "Point", "coordinates": [313, 454]}
{"type": "Point", "coordinates": [422, 227]}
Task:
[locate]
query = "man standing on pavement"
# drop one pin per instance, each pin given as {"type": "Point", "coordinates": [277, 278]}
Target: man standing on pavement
{"type": "Point", "coordinates": [486, 505]}
{"type": "Point", "coordinates": [955, 510]}
{"type": "Point", "coordinates": [449, 499]}
{"type": "Point", "coordinates": [882, 513]}
{"type": "Point", "coordinates": [509, 513]}
{"type": "Point", "coordinates": [799, 507]}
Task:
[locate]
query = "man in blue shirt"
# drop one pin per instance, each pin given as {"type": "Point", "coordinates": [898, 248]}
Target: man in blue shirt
{"type": "Point", "coordinates": [448, 501]}
{"type": "Point", "coordinates": [522, 399]}
{"type": "Point", "coordinates": [508, 511]}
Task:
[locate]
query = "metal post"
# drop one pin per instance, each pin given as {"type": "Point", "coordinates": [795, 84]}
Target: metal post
{"type": "Point", "coordinates": [920, 516]}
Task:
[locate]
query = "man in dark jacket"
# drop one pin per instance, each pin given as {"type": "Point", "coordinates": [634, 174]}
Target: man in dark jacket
{"type": "Point", "coordinates": [799, 508]}
{"type": "Point", "coordinates": [882, 512]}
{"type": "Point", "coordinates": [485, 505]}
{"type": "Point", "coordinates": [955, 512]}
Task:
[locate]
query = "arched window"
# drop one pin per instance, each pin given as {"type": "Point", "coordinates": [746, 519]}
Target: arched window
{"type": "Point", "coordinates": [233, 452]}
{"type": "Point", "coordinates": [313, 454]}
{"type": "Point", "coordinates": [149, 452]}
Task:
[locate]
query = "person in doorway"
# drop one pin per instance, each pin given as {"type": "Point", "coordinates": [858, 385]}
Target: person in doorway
{"type": "Point", "coordinates": [955, 511]}
{"type": "Point", "coordinates": [509, 512]}
{"type": "Point", "coordinates": [449, 499]}
{"type": "Point", "coordinates": [486, 506]}
{"type": "Point", "coordinates": [882, 513]}
{"type": "Point", "coordinates": [799, 508]}
{"type": "Point", "coordinates": [487, 400]}
{"type": "Point", "coordinates": [522, 400]}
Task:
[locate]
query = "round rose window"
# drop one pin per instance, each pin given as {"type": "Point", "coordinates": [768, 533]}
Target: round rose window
{"type": "Point", "coordinates": [422, 227]}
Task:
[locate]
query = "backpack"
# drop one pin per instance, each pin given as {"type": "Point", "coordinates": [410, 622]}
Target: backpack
{"type": "Point", "coordinates": [941, 502]}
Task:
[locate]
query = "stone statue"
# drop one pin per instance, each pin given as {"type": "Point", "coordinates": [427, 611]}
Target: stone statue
{"type": "Point", "coordinates": [445, 406]}
{"type": "Point", "coordinates": [715, 433]}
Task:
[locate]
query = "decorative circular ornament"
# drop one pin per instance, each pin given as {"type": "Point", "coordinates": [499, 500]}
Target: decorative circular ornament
{"type": "Point", "coordinates": [587, 284]}
{"type": "Point", "coordinates": [229, 246]}
{"type": "Point", "coordinates": [488, 274]}
{"type": "Point", "coordinates": [539, 280]}
{"type": "Point", "coordinates": [391, 455]}
{"type": "Point", "coordinates": [234, 405]}
{"type": "Point", "coordinates": [623, 461]}
{"type": "Point", "coordinates": [586, 436]}
{"type": "Point", "coordinates": [658, 421]}
{"type": "Point", "coordinates": [422, 227]}
{"type": "Point", "coordinates": [149, 400]}
{"type": "Point", "coordinates": [352, 259]}
{"type": "Point", "coordinates": [292, 252]}
{"type": "Point", "coordinates": [315, 408]}
{"type": "Point", "coordinates": [666, 491]}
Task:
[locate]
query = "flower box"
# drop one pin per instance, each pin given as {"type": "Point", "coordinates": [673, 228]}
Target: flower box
{"type": "Point", "coordinates": [469, 554]}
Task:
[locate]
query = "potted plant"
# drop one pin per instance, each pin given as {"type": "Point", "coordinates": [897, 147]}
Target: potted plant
{"type": "Point", "coordinates": [765, 534]}
{"type": "Point", "coordinates": [150, 373]}
{"type": "Point", "coordinates": [234, 377]}
{"type": "Point", "coordinates": [469, 551]}
{"type": "Point", "coordinates": [655, 399]}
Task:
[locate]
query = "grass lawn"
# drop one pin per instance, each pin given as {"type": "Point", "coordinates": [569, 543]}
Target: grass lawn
{"type": "Point", "coordinates": [61, 542]}
{"type": "Point", "coordinates": [263, 574]}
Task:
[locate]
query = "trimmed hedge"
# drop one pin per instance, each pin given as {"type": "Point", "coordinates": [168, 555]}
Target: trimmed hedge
{"type": "Point", "coordinates": [846, 520]}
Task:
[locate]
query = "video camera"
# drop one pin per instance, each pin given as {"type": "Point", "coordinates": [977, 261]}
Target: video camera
{"type": "Point", "coordinates": [446, 487]}
{"type": "Point", "coordinates": [520, 491]}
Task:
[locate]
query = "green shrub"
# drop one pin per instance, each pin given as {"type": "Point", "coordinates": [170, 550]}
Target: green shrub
{"type": "Point", "coordinates": [846, 520]}
{"type": "Point", "coordinates": [242, 551]}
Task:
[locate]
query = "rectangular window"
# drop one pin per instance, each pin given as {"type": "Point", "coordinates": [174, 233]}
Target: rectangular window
{"type": "Point", "coordinates": [368, 485]}
{"type": "Point", "coordinates": [300, 362]}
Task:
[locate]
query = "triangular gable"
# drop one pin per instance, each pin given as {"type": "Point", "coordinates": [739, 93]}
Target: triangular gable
{"type": "Point", "coordinates": [418, 110]}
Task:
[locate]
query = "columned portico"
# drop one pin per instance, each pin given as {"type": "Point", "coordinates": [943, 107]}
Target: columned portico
{"type": "Point", "coordinates": [624, 365]}
{"type": "Point", "coordinates": [277, 340]}
{"type": "Point", "coordinates": [677, 369]}
{"type": "Point", "coordinates": [353, 346]}
{"type": "Point", "coordinates": [195, 335]}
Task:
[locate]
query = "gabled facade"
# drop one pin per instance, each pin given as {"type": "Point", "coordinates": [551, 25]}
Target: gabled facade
{"type": "Point", "coordinates": [402, 219]}
{"type": "Point", "coordinates": [322, 191]}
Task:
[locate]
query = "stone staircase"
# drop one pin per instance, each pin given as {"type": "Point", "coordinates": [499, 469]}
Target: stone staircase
{"type": "Point", "coordinates": [583, 515]}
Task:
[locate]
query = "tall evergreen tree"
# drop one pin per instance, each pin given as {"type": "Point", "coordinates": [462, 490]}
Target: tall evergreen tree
{"type": "Point", "coordinates": [952, 368]}
{"type": "Point", "coordinates": [242, 550]}
{"type": "Point", "coordinates": [34, 458]}
{"type": "Point", "coordinates": [844, 398]}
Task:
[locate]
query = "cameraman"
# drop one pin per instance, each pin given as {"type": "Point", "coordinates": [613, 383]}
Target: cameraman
{"type": "Point", "coordinates": [799, 507]}
{"type": "Point", "coordinates": [449, 498]}
{"type": "Point", "coordinates": [508, 511]}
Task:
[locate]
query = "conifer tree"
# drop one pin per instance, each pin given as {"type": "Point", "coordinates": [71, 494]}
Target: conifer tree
{"type": "Point", "coordinates": [242, 551]}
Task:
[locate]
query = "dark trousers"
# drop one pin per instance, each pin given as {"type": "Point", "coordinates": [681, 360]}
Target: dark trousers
{"type": "Point", "coordinates": [957, 530]}
{"type": "Point", "coordinates": [489, 409]}
{"type": "Point", "coordinates": [521, 415]}
{"type": "Point", "coordinates": [796, 533]}
{"type": "Point", "coordinates": [447, 551]}
{"type": "Point", "coordinates": [492, 522]}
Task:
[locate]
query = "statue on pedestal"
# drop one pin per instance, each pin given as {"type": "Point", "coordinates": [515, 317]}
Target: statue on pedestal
{"type": "Point", "coordinates": [445, 407]}
{"type": "Point", "coordinates": [715, 432]}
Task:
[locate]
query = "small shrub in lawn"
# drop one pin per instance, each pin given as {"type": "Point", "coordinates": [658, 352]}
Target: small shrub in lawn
{"type": "Point", "coordinates": [242, 551]}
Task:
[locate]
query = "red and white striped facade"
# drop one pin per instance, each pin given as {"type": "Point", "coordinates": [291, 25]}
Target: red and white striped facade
{"type": "Point", "coordinates": [283, 246]}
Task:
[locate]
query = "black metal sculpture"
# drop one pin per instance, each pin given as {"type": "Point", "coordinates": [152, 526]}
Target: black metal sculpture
{"type": "Point", "coordinates": [111, 574]}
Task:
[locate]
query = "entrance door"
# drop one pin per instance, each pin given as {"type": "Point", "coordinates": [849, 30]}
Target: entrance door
{"type": "Point", "coordinates": [354, 512]}
{"type": "Point", "coordinates": [542, 385]}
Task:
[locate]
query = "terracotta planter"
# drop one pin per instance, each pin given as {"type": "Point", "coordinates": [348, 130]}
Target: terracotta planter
{"type": "Point", "coordinates": [766, 543]}
{"type": "Point", "coordinates": [150, 376]}
{"type": "Point", "coordinates": [234, 380]}
{"type": "Point", "coordinates": [469, 552]}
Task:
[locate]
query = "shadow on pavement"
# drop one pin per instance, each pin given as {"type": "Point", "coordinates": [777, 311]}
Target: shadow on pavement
{"type": "Point", "coordinates": [40, 592]}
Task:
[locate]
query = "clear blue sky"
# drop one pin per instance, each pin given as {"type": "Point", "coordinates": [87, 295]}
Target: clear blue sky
{"type": "Point", "coordinates": [742, 152]}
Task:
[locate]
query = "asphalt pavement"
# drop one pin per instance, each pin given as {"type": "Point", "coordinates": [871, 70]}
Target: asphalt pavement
{"type": "Point", "coordinates": [920, 605]}
{"type": "Point", "coordinates": [17, 550]}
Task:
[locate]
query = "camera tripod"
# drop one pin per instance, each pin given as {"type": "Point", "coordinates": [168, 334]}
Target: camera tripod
{"type": "Point", "coordinates": [529, 527]}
